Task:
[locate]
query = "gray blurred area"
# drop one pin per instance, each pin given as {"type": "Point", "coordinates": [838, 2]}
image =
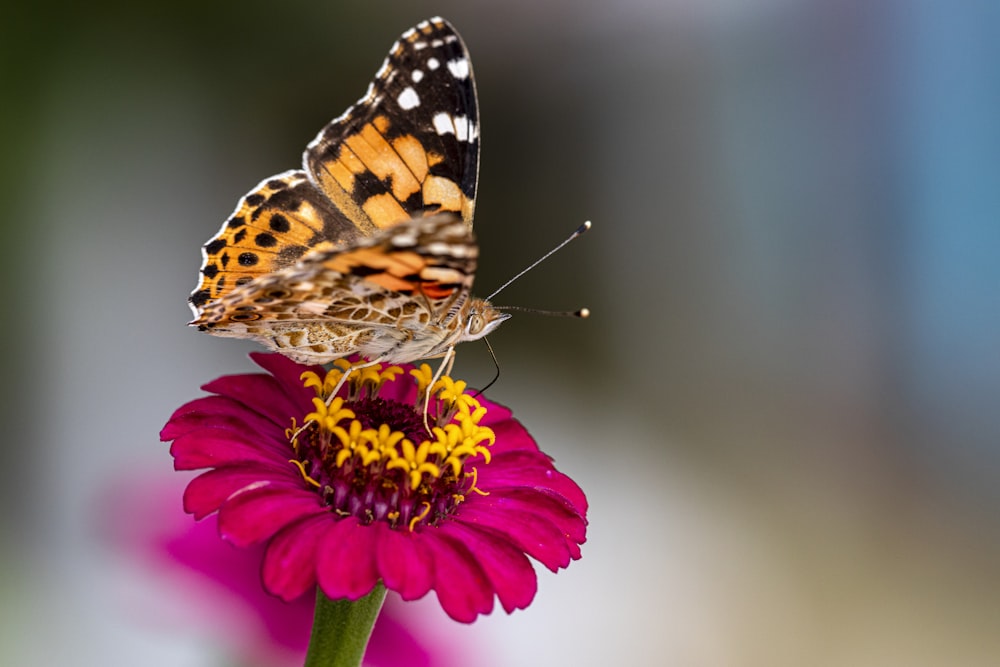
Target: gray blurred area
{"type": "Point", "coordinates": [783, 408]}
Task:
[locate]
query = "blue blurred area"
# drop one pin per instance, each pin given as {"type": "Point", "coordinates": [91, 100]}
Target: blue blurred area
{"type": "Point", "coordinates": [947, 158]}
{"type": "Point", "coordinates": [782, 408]}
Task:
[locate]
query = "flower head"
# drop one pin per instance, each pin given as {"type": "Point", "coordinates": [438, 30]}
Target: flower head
{"type": "Point", "coordinates": [348, 490]}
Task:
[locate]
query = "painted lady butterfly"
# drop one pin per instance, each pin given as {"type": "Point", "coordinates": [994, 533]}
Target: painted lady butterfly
{"type": "Point", "coordinates": [369, 248]}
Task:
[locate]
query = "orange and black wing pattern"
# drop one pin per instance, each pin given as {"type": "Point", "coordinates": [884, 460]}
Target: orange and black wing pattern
{"type": "Point", "coordinates": [408, 148]}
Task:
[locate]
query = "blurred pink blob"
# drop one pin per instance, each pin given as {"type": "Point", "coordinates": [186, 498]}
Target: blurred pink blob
{"type": "Point", "coordinates": [205, 585]}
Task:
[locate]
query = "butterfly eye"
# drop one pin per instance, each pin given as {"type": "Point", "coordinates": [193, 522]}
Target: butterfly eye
{"type": "Point", "coordinates": [245, 317]}
{"type": "Point", "coordinates": [476, 324]}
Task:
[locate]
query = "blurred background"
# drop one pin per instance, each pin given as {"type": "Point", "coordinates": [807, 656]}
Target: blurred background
{"type": "Point", "coordinates": [783, 408]}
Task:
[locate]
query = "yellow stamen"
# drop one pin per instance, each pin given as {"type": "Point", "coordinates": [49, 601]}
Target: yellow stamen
{"type": "Point", "coordinates": [419, 517]}
{"type": "Point", "coordinates": [311, 379]}
{"type": "Point", "coordinates": [325, 386]}
{"type": "Point", "coordinates": [370, 376]}
{"type": "Point", "coordinates": [352, 442]}
{"type": "Point", "coordinates": [302, 469]}
{"type": "Point", "coordinates": [328, 416]}
{"type": "Point", "coordinates": [423, 376]}
{"type": "Point", "coordinates": [390, 372]}
{"type": "Point", "coordinates": [292, 434]}
{"type": "Point", "coordinates": [385, 440]}
{"type": "Point", "coordinates": [449, 390]}
{"type": "Point", "coordinates": [413, 460]}
{"type": "Point", "coordinates": [385, 460]}
{"type": "Point", "coordinates": [475, 480]}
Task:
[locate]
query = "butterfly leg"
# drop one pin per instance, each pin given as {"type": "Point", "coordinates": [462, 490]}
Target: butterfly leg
{"type": "Point", "coordinates": [443, 369]}
{"type": "Point", "coordinates": [346, 375]}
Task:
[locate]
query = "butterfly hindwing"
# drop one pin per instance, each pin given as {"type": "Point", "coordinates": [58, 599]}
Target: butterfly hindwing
{"type": "Point", "coordinates": [405, 278]}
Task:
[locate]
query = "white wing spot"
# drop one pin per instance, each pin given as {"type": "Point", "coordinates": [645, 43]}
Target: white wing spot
{"type": "Point", "coordinates": [447, 249]}
{"type": "Point", "coordinates": [443, 124]}
{"type": "Point", "coordinates": [439, 248]}
{"type": "Point", "coordinates": [403, 239]}
{"type": "Point", "coordinates": [416, 75]}
{"type": "Point", "coordinates": [459, 68]}
{"type": "Point", "coordinates": [408, 99]}
{"type": "Point", "coordinates": [418, 46]}
{"type": "Point", "coordinates": [462, 126]}
{"type": "Point", "coordinates": [433, 64]}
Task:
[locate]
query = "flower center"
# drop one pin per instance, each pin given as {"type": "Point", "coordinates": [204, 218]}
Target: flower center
{"type": "Point", "coordinates": [373, 458]}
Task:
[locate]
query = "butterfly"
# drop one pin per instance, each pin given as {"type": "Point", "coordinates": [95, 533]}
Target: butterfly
{"type": "Point", "coordinates": [368, 249]}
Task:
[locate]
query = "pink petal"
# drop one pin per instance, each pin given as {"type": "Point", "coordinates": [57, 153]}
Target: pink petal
{"type": "Point", "coordinates": [508, 568]}
{"type": "Point", "coordinates": [256, 514]}
{"type": "Point", "coordinates": [524, 469]}
{"type": "Point", "coordinates": [182, 421]}
{"type": "Point", "coordinates": [551, 506]}
{"type": "Point", "coordinates": [223, 413]}
{"type": "Point", "coordinates": [259, 393]}
{"type": "Point", "coordinates": [495, 413]}
{"type": "Point", "coordinates": [404, 563]}
{"type": "Point", "coordinates": [538, 536]}
{"type": "Point", "coordinates": [288, 374]}
{"type": "Point", "coordinates": [206, 492]}
{"type": "Point", "coordinates": [511, 436]}
{"type": "Point", "coordinates": [214, 447]}
{"type": "Point", "coordinates": [345, 564]}
{"type": "Point", "coordinates": [289, 568]}
{"type": "Point", "coordinates": [463, 588]}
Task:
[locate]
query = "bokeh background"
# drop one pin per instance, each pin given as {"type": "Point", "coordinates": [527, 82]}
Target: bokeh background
{"type": "Point", "coordinates": [784, 408]}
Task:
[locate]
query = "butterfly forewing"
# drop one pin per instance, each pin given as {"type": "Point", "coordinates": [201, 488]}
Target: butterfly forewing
{"type": "Point", "coordinates": [410, 146]}
{"type": "Point", "coordinates": [280, 220]}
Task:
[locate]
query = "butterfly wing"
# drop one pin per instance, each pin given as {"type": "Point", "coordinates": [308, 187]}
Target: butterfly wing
{"type": "Point", "coordinates": [274, 225]}
{"type": "Point", "coordinates": [402, 287]}
{"type": "Point", "coordinates": [410, 146]}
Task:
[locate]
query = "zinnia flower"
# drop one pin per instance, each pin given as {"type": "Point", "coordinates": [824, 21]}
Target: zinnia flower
{"type": "Point", "coordinates": [353, 489]}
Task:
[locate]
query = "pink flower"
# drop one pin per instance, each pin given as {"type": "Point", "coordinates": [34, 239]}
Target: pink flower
{"type": "Point", "coordinates": [364, 493]}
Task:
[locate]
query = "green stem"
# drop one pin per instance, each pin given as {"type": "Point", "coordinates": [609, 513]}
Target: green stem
{"type": "Point", "coordinates": [341, 629]}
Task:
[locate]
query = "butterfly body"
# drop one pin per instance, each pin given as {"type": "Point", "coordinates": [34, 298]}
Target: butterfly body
{"type": "Point", "coordinates": [368, 249]}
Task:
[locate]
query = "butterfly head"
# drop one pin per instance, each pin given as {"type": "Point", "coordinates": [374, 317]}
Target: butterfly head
{"type": "Point", "coordinates": [481, 320]}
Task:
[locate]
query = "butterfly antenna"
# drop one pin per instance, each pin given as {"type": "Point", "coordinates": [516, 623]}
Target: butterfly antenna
{"type": "Point", "coordinates": [579, 232]}
{"type": "Point", "coordinates": [583, 313]}
{"type": "Point", "coordinates": [496, 364]}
